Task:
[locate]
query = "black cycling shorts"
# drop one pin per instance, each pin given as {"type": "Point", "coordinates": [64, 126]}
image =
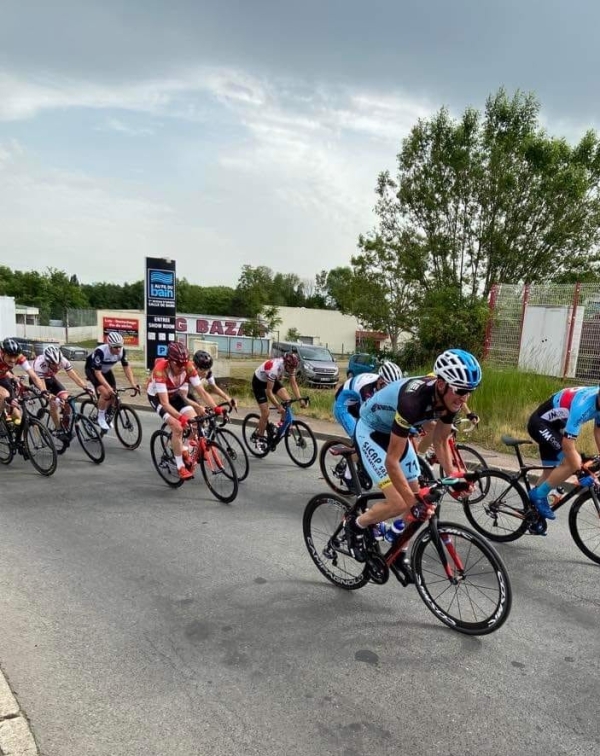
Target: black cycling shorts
{"type": "Point", "coordinates": [259, 389]}
{"type": "Point", "coordinates": [109, 377]}
{"type": "Point", "coordinates": [549, 437]}
{"type": "Point", "coordinates": [176, 401]}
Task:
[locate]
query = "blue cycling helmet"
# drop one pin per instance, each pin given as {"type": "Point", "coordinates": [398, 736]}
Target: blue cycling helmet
{"type": "Point", "coordinates": [458, 368]}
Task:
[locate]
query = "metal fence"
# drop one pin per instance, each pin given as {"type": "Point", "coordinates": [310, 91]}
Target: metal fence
{"type": "Point", "coordinates": [552, 329]}
{"type": "Point", "coordinates": [80, 317]}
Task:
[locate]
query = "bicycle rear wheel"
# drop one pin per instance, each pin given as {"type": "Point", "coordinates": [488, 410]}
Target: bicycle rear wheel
{"type": "Point", "coordinates": [477, 598]}
{"type": "Point", "coordinates": [39, 447]}
{"type": "Point", "coordinates": [89, 438]}
{"type": "Point", "coordinates": [7, 451]}
{"type": "Point", "coordinates": [473, 461]}
{"type": "Point", "coordinates": [250, 435]}
{"type": "Point", "coordinates": [502, 514]}
{"type": "Point", "coordinates": [163, 458]}
{"type": "Point", "coordinates": [584, 524]}
{"type": "Point", "coordinates": [218, 472]}
{"type": "Point", "coordinates": [333, 466]}
{"type": "Point", "coordinates": [235, 451]}
{"type": "Point", "coordinates": [59, 437]}
{"type": "Point", "coordinates": [301, 444]}
{"type": "Point", "coordinates": [326, 542]}
{"type": "Point", "coordinates": [128, 427]}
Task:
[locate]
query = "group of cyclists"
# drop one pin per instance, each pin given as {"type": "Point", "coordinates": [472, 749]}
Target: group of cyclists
{"type": "Point", "coordinates": [379, 412]}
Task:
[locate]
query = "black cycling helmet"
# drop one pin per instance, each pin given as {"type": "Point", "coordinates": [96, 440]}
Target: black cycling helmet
{"type": "Point", "coordinates": [203, 360]}
{"type": "Point", "coordinates": [11, 347]}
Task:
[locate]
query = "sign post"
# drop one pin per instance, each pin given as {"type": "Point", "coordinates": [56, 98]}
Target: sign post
{"type": "Point", "coordinates": [159, 299]}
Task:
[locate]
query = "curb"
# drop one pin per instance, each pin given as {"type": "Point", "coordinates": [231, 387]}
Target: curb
{"type": "Point", "coordinates": [16, 738]}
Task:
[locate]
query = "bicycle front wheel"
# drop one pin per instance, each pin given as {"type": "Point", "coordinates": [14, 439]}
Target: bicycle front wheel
{"type": "Point", "coordinates": [163, 458]}
{"type": "Point", "coordinates": [584, 524]}
{"type": "Point", "coordinates": [7, 451]}
{"type": "Point", "coordinates": [219, 473]}
{"type": "Point", "coordinates": [326, 542]}
{"type": "Point", "coordinates": [476, 597]}
{"type": "Point", "coordinates": [89, 409]}
{"type": "Point", "coordinates": [250, 434]}
{"type": "Point", "coordinates": [59, 437]}
{"type": "Point", "coordinates": [39, 447]}
{"type": "Point", "coordinates": [502, 514]}
{"type": "Point", "coordinates": [128, 427]}
{"type": "Point", "coordinates": [301, 444]}
{"type": "Point", "coordinates": [472, 461]}
{"type": "Point", "coordinates": [235, 451]}
{"type": "Point", "coordinates": [333, 466]}
{"type": "Point", "coordinates": [90, 439]}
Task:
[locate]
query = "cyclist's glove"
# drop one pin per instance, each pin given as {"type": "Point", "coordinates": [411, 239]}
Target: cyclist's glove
{"type": "Point", "coordinates": [462, 488]}
{"type": "Point", "coordinates": [219, 410]}
{"type": "Point", "coordinates": [424, 507]}
{"type": "Point", "coordinates": [473, 417]}
{"type": "Point", "coordinates": [183, 421]}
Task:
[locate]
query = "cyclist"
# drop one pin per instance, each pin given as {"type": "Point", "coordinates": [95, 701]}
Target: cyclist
{"type": "Point", "coordinates": [382, 437]}
{"type": "Point", "coordinates": [555, 426]}
{"type": "Point", "coordinates": [46, 366]}
{"type": "Point", "coordinates": [167, 393]}
{"type": "Point", "coordinates": [98, 370]}
{"type": "Point", "coordinates": [267, 385]}
{"type": "Point", "coordinates": [351, 395]}
{"type": "Point", "coordinates": [11, 357]}
{"type": "Point", "coordinates": [203, 362]}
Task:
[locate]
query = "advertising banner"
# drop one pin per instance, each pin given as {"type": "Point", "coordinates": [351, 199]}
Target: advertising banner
{"type": "Point", "coordinates": [159, 296]}
{"type": "Point", "coordinates": [129, 328]}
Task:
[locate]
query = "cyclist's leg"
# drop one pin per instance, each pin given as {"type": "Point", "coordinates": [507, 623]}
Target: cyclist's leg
{"type": "Point", "coordinates": [347, 416]}
{"type": "Point", "coordinates": [7, 399]}
{"type": "Point", "coordinates": [549, 439]}
{"type": "Point", "coordinates": [105, 396]}
{"type": "Point", "coordinates": [59, 395]}
{"type": "Point", "coordinates": [259, 389]}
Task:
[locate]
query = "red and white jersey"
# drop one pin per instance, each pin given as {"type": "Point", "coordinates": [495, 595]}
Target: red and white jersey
{"type": "Point", "coordinates": [44, 369]}
{"type": "Point", "coordinates": [21, 362]}
{"type": "Point", "coordinates": [164, 380]}
{"type": "Point", "coordinates": [271, 370]}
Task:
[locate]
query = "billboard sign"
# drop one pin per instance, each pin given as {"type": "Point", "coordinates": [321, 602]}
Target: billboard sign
{"type": "Point", "coordinates": [160, 307]}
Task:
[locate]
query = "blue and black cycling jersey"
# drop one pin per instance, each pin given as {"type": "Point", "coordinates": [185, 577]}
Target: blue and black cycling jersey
{"type": "Point", "coordinates": [570, 408]}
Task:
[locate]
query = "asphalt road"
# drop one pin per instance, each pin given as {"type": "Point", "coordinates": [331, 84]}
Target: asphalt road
{"type": "Point", "coordinates": [136, 620]}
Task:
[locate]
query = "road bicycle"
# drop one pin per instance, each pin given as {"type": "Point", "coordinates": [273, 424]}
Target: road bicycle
{"type": "Point", "coordinates": [127, 423]}
{"type": "Point", "coordinates": [227, 439]}
{"type": "Point", "coordinates": [217, 468]}
{"type": "Point", "coordinates": [506, 513]}
{"type": "Point", "coordinates": [300, 441]}
{"type": "Point", "coordinates": [74, 424]}
{"type": "Point", "coordinates": [29, 438]}
{"type": "Point", "coordinates": [459, 576]}
{"type": "Point", "coordinates": [464, 457]}
{"type": "Point", "coordinates": [349, 479]}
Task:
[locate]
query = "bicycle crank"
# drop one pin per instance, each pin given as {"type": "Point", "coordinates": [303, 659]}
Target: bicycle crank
{"type": "Point", "coordinates": [377, 569]}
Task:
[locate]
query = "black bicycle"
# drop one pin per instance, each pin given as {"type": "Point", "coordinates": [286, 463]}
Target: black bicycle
{"type": "Point", "coordinates": [506, 513]}
{"type": "Point", "coordinates": [345, 474]}
{"type": "Point", "coordinates": [460, 577]}
{"type": "Point", "coordinates": [127, 423]}
{"type": "Point", "coordinates": [217, 468]}
{"type": "Point", "coordinates": [74, 424]}
{"type": "Point", "coordinates": [216, 431]}
{"type": "Point", "coordinates": [300, 441]}
{"type": "Point", "coordinates": [29, 437]}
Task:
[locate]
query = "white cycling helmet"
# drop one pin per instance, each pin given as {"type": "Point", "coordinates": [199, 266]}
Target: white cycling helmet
{"type": "Point", "coordinates": [114, 339]}
{"type": "Point", "coordinates": [390, 372]}
{"type": "Point", "coordinates": [52, 354]}
{"type": "Point", "coordinates": [458, 368]}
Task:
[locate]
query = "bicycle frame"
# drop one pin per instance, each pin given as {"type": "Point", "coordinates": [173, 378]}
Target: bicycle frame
{"type": "Point", "coordinates": [521, 477]}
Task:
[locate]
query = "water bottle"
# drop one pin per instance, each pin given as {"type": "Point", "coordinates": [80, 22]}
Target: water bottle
{"type": "Point", "coordinates": [393, 531]}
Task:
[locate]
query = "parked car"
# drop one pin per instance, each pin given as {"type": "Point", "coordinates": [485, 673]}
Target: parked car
{"type": "Point", "coordinates": [362, 363]}
{"type": "Point", "coordinates": [39, 346]}
{"type": "Point", "coordinates": [74, 351]}
{"type": "Point", "coordinates": [317, 366]}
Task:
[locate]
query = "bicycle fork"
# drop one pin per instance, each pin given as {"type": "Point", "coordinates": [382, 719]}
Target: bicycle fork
{"type": "Point", "coordinates": [444, 544]}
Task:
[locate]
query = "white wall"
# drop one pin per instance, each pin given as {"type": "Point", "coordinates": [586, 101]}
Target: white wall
{"type": "Point", "coordinates": [8, 321]}
{"type": "Point", "coordinates": [55, 333]}
{"type": "Point", "coordinates": [327, 327]}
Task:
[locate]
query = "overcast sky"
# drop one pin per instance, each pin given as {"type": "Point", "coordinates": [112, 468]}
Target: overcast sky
{"type": "Point", "coordinates": [240, 132]}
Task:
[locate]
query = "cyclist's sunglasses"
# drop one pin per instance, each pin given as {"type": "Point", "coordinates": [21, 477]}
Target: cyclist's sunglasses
{"type": "Point", "coordinates": [461, 391]}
